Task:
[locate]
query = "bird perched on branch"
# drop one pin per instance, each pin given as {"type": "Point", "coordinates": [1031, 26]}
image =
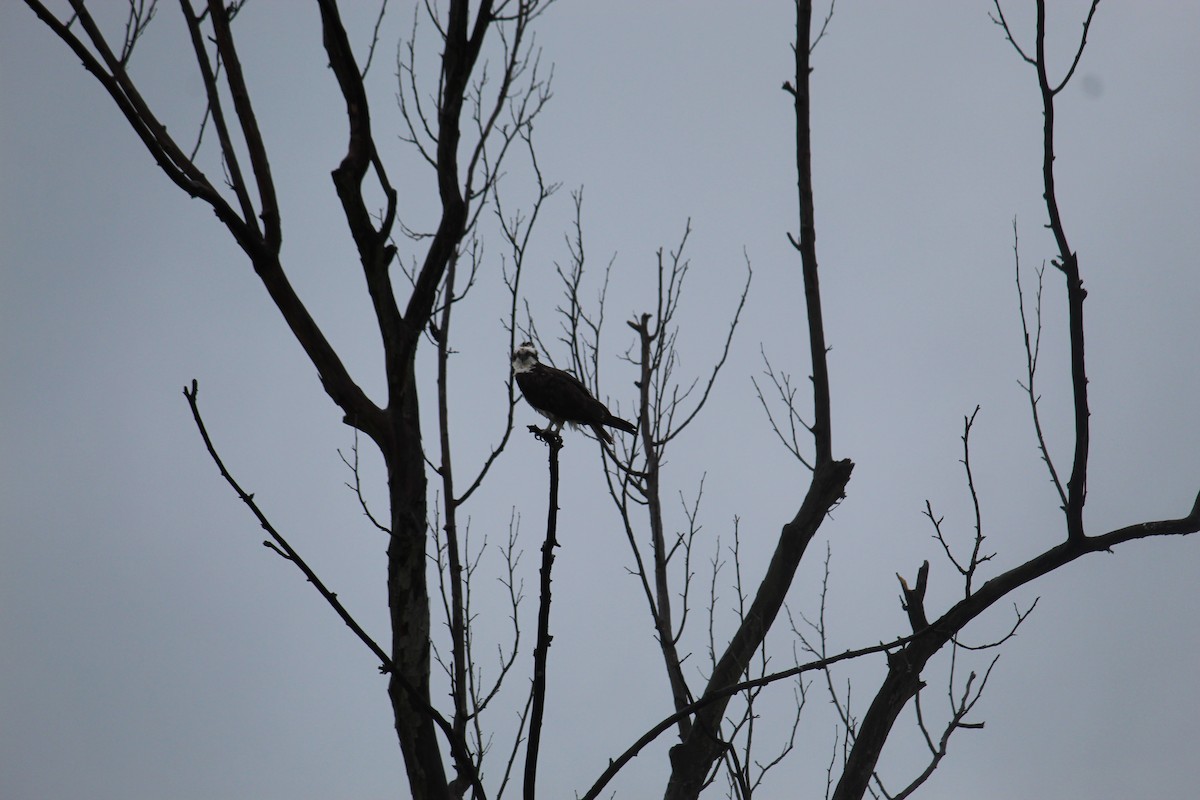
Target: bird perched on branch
{"type": "Point", "coordinates": [561, 397]}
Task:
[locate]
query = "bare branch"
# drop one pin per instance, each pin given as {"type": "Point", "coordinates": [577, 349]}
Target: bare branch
{"type": "Point", "coordinates": [905, 666]}
{"type": "Point", "coordinates": [1031, 363]}
{"type": "Point", "coordinates": [676, 429]}
{"type": "Point", "coordinates": [374, 39]}
{"type": "Point", "coordinates": [1000, 20]}
{"type": "Point", "coordinates": [1068, 264]}
{"type": "Point", "coordinates": [136, 22]}
{"type": "Point", "coordinates": [280, 544]}
{"type": "Point", "coordinates": [665, 724]}
{"type": "Point", "coordinates": [356, 487]}
{"type": "Point", "coordinates": [260, 164]}
{"type": "Point", "coordinates": [542, 647]}
{"type": "Point", "coordinates": [1087, 24]}
{"type": "Point", "coordinates": [964, 706]}
{"type": "Point", "coordinates": [787, 395]}
{"type": "Point", "coordinates": [806, 244]}
{"type": "Point", "coordinates": [824, 29]}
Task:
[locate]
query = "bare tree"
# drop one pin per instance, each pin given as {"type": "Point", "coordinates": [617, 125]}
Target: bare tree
{"type": "Point", "coordinates": [467, 125]}
{"type": "Point", "coordinates": [464, 131]}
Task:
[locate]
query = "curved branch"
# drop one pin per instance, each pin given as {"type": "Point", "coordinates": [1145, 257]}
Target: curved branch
{"type": "Point", "coordinates": [1087, 24]}
{"type": "Point", "coordinates": [905, 666]}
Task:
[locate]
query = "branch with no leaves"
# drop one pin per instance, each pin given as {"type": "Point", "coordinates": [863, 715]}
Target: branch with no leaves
{"type": "Point", "coordinates": [968, 569]}
{"type": "Point", "coordinates": [903, 679]}
{"type": "Point", "coordinates": [742, 780]}
{"type": "Point", "coordinates": [787, 395]}
{"type": "Point", "coordinates": [356, 487]}
{"type": "Point", "coordinates": [970, 696]}
{"type": "Point", "coordinates": [138, 19]}
{"type": "Point", "coordinates": [374, 39]}
{"type": "Point", "coordinates": [665, 724]}
{"type": "Point", "coordinates": [541, 648]}
{"type": "Point", "coordinates": [1033, 346]}
{"type": "Point", "coordinates": [1000, 20]}
{"type": "Point", "coordinates": [1067, 261]}
{"type": "Point", "coordinates": [278, 543]}
{"type": "Point", "coordinates": [818, 647]}
{"type": "Point", "coordinates": [94, 51]}
{"type": "Point", "coordinates": [664, 411]}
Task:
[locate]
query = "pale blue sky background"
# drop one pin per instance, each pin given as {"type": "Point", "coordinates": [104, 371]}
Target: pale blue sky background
{"type": "Point", "coordinates": [153, 648]}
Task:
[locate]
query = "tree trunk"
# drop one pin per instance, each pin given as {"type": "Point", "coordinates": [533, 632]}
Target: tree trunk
{"type": "Point", "coordinates": [408, 600]}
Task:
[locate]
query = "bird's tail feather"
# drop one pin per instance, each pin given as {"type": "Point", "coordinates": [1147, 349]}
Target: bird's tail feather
{"type": "Point", "coordinates": [620, 424]}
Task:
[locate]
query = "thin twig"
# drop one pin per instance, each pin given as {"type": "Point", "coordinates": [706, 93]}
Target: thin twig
{"type": "Point", "coordinates": [374, 39]}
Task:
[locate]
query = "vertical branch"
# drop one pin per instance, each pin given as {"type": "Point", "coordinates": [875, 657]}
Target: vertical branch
{"type": "Point", "coordinates": [1032, 351]}
{"type": "Point", "coordinates": [691, 760]}
{"type": "Point", "coordinates": [904, 667]}
{"type": "Point", "coordinates": [542, 647]}
{"type": "Point", "coordinates": [649, 424]}
{"type": "Point", "coordinates": [458, 62]}
{"type": "Point", "coordinates": [458, 627]}
{"type": "Point", "coordinates": [374, 253]}
{"type": "Point", "coordinates": [807, 244]}
{"type": "Point", "coordinates": [1067, 263]}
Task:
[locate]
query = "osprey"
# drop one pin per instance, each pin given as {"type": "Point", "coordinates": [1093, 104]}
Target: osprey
{"type": "Point", "coordinates": [560, 396]}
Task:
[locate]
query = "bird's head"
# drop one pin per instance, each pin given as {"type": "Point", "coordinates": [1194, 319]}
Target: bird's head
{"type": "Point", "coordinates": [524, 357]}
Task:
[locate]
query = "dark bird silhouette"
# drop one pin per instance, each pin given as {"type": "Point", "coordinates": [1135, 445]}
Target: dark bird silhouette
{"type": "Point", "coordinates": [561, 397]}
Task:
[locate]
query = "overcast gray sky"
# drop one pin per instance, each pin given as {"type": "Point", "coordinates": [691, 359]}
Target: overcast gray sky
{"type": "Point", "coordinates": [153, 648]}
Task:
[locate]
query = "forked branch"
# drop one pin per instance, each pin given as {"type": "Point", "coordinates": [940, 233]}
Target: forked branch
{"type": "Point", "coordinates": [1067, 261]}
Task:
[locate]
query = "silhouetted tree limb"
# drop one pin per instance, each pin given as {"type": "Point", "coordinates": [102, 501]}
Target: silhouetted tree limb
{"type": "Point", "coordinates": [280, 545]}
{"type": "Point", "coordinates": [277, 542]}
{"type": "Point", "coordinates": [787, 395]}
{"type": "Point", "coordinates": [977, 558]}
{"type": "Point", "coordinates": [139, 17]}
{"type": "Point", "coordinates": [1067, 261]}
{"type": "Point", "coordinates": [253, 218]}
{"type": "Point", "coordinates": [1032, 351]}
{"type": "Point", "coordinates": [666, 723]}
{"type": "Point", "coordinates": [541, 649]}
{"type": "Point", "coordinates": [691, 759]}
{"type": "Point", "coordinates": [356, 487]}
{"type": "Point", "coordinates": [807, 243]}
{"type": "Point", "coordinates": [906, 664]}
{"type": "Point", "coordinates": [970, 696]}
{"type": "Point", "coordinates": [903, 680]}
{"type": "Point", "coordinates": [374, 39]}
